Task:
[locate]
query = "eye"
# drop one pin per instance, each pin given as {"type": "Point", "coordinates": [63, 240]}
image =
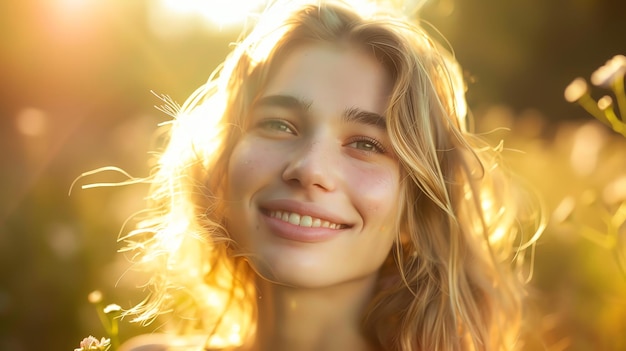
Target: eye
{"type": "Point", "coordinates": [368, 145]}
{"type": "Point", "coordinates": [277, 125]}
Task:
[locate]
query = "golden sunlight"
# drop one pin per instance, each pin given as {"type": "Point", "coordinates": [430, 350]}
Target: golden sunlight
{"type": "Point", "coordinates": [218, 12]}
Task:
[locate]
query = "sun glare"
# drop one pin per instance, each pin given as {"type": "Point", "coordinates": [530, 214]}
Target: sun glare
{"type": "Point", "coordinates": [218, 12]}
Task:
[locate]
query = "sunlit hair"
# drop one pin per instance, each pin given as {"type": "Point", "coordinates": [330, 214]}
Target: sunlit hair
{"type": "Point", "coordinates": [455, 278]}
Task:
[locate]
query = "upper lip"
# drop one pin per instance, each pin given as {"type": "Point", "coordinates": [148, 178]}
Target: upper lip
{"type": "Point", "coordinates": [303, 208]}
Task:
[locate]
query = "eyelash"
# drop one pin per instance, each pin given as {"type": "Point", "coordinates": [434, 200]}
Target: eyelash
{"type": "Point", "coordinates": [272, 124]}
{"type": "Point", "coordinates": [281, 126]}
{"type": "Point", "coordinates": [377, 146]}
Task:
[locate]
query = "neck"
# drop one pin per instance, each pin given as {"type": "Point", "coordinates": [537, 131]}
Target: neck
{"type": "Point", "coordinates": [312, 319]}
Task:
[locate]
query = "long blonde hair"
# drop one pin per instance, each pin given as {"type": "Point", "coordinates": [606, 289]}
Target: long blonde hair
{"type": "Point", "coordinates": [453, 281]}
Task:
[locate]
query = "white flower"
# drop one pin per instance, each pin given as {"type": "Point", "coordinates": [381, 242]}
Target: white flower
{"type": "Point", "coordinates": [95, 296]}
{"type": "Point", "coordinates": [607, 74]}
{"type": "Point", "coordinates": [112, 308]}
{"type": "Point", "coordinates": [92, 344]}
{"type": "Point", "coordinates": [605, 102]}
{"type": "Point", "coordinates": [576, 89]}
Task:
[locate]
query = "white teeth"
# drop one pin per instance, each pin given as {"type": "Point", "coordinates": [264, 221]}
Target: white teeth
{"type": "Point", "coordinates": [306, 221]}
{"type": "Point", "coordinates": [303, 221]}
{"type": "Point", "coordinates": [316, 222]}
{"type": "Point", "coordinates": [294, 218]}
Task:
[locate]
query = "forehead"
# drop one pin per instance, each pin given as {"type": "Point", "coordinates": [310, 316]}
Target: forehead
{"type": "Point", "coordinates": [341, 75]}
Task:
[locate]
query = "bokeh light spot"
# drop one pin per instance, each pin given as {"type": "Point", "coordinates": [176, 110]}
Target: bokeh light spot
{"type": "Point", "coordinates": [588, 141]}
{"type": "Point", "coordinates": [31, 121]}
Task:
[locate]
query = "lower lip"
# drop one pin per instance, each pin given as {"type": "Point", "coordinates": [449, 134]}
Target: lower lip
{"type": "Point", "coordinates": [293, 232]}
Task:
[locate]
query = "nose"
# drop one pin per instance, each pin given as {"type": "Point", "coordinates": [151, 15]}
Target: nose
{"type": "Point", "coordinates": [312, 166]}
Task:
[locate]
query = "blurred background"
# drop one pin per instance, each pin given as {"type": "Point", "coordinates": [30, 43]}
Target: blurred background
{"type": "Point", "coordinates": [75, 94]}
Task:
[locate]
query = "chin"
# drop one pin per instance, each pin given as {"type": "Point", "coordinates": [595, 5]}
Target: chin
{"type": "Point", "coordinates": [293, 274]}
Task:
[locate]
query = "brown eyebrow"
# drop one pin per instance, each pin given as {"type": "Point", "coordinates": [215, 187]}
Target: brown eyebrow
{"type": "Point", "coordinates": [350, 115]}
{"type": "Point", "coordinates": [356, 115]}
{"type": "Point", "coordinates": [286, 101]}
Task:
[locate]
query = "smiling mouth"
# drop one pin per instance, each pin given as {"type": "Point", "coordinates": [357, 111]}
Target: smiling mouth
{"type": "Point", "coordinates": [304, 220]}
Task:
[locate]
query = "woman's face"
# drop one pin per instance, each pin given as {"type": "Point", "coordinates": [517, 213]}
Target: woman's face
{"type": "Point", "coordinates": [313, 183]}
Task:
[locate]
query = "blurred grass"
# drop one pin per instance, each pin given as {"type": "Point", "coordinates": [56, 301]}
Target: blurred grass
{"type": "Point", "coordinates": [579, 286]}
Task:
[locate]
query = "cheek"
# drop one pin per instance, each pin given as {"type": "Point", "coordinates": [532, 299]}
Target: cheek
{"type": "Point", "coordinates": [246, 164]}
{"type": "Point", "coordinates": [377, 191]}
{"type": "Point", "coordinates": [240, 165]}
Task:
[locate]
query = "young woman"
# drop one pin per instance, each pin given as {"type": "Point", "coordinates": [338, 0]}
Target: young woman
{"type": "Point", "coordinates": [322, 192]}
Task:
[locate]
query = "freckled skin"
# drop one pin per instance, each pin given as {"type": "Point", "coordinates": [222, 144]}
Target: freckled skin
{"type": "Point", "coordinates": [318, 159]}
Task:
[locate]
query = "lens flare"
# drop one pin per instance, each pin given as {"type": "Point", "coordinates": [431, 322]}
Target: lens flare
{"type": "Point", "coordinates": [219, 12]}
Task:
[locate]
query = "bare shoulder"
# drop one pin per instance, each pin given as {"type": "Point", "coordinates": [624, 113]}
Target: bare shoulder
{"type": "Point", "coordinates": [163, 342]}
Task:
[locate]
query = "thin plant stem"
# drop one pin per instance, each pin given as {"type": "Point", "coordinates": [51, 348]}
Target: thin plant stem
{"type": "Point", "coordinates": [620, 95]}
{"type": "Point", "coordinates": [591, 106]}
{"type": "Point", "coordinates": [617, 125]}
{"type": "Point", "coordinates": [115, 341]}
{"type": "Point", "coordinates": [103, 319]}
